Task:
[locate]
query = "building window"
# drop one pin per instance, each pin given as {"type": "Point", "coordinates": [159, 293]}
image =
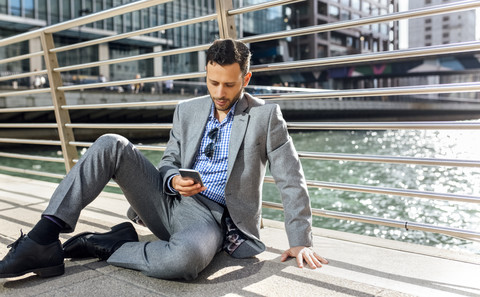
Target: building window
{"type": "Point", "coordinates": [16, 7]}
{"type": "Point", "coordinates": [333, 11]}
{"type": "Point", "coordinates": [29, 8]}
{"type": "Point", "coordinates": [428, 21]}
{"type": "Point", "coordinates": [356, 4]}
{"type": "Point", "coordinates": [322, 8]}
{"type": "Point", "coordinates": [366, 7]}
{"type": "Point", "coordinates": [446, 18]}
{"type": "Point", "coordinates": [428, 28]}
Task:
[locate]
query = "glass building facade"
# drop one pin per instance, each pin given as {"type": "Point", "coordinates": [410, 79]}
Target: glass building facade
{"type": "Point", "coordinates": [17, 16]}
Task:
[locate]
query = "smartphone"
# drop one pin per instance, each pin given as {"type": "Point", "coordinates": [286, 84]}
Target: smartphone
{"type": "Point", "coordinates": [193, 174]}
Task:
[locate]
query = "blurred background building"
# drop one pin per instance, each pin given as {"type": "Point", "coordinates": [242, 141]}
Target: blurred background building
{"type": "Point", "coordinates": [17, 16]}
{"type": "Point", "coordinates": [440, 29]}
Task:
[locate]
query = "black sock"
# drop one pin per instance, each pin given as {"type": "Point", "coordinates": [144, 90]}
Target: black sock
{"type": "Point", "coordinates": [46, 231]}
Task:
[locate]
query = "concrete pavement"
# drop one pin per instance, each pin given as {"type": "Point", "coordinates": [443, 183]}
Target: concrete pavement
{"type": "Point", "coordinates": [359, 265]}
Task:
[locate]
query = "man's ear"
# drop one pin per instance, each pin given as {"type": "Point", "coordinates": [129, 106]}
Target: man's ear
{"type": "Point", "coordinates": [246, 79]}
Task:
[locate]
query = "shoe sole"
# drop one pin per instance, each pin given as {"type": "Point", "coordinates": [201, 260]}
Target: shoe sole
{"type": "Point", "coordinates": [116, 228]}
{"type": "Point", "coordinates": [42, 272]}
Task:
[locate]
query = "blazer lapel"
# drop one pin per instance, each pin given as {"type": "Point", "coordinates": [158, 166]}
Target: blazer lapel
{"type": "Point", "coordinates": [200, 118]}
{"type": "Point", "coordinates": [239, 127]}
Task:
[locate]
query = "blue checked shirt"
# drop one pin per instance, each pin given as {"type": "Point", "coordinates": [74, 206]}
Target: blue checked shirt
{"type": "Point", "coordinates": [214, 170]}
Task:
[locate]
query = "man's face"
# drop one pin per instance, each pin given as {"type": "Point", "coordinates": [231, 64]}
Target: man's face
{"type": "Point", "coordinates": [225, 84]}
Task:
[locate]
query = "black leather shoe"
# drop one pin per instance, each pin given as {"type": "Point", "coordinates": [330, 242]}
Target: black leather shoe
{"type": "Point", "coordinates": [26, 256]}
{"type": "Point", "coordinates": [99, 245]}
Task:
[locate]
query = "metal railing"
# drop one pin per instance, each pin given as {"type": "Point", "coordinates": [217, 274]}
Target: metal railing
{"type": "Point", "coordinates": [225, 18]}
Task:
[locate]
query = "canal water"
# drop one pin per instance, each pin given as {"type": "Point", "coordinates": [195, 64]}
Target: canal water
{"type": "Point", "coordinates": [451, 144]}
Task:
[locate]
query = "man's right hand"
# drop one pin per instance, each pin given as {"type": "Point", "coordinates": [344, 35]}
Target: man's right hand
{"type": "Point", "coordinates": [186, 186]}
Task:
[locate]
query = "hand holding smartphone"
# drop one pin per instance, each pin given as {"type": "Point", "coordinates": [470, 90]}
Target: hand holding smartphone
{"type": "Point", "coordinates": [192, 174]}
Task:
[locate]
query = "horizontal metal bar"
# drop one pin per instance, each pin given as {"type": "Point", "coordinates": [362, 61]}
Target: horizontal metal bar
{"type": "Point", "coordinates": [388, 191]}
{"type": "Point", "coordinates": [144, 147]}
{"type": "Point", "coordinates": [392, 91]}
{"type": "Point", "coordinates": [32, 157]}
{"type": "Point", "coordinates": [389, 159]}
{"type": "Point", "coordinates": [440, 125]}
{"type": "Point", "coordinates": [139, 146]}
{"type": "Point", "coordinates": [21, 57]}
{"type": "Point", "coordinates": [133, 58]}
{"type": "Point", "coordinates": [21, 37]}
{"type": "Point", "coordinates": [21, 125]}
{"type": "Point", "coordinates": [135, 33]}
{"type": "Point", "coordinates": [120, 126]}
{"type": "Point", "coordinates": [133, 81]}
{"type": "Point", "coordinates": [461, 47]}
{"type": "Point", "coordinates": [21, 75]}
{"type": "Point", "coordinates": [25, 92]}
{"type": "Point", "coordinates": [31, 172]}
{"type": "Point", "coordinates": [123, 105]}
{"type": "Point", "coordinates": [456, 232]}
{"type": "Point", "coordinates": [30, 141]}
{"type": "Point", "coordinates": [261, 6]}
{"type": "Point", "coordinates": [26, 109]}
{"type": "Point", "coordinates": [420, 12]}
{"type": "Point", "coordinates": [101, 15]}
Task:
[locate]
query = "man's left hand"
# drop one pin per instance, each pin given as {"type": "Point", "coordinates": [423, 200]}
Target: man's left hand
{"type": "Point", "coordinates": [304, 253]}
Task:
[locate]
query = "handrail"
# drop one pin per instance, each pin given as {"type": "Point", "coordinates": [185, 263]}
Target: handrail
{"type": "Point", "coordinates": [22, 125]}
{"type": "Point", "coordinates": [388, 191]}
{"type": "Point", "coordinates": [30, 141]}
{"type": "Point", "coordinates": [53, 70]}
{"type": "Point", "coordinates": [132, 81]}
{"type": "Point", "coordinates": [392, 91]}
{"type": "Point", "coordinates": [32, 157]}
{"type": "Point", "coordinates": [420, 12]}
{"type": "Point", "coordinates": [21, 57]}
{"type": "Point", "coordinates": [98, 16]}
{"type": "Point", "coordinates": [260, 6]}
{"type": "Point", "coordinates": [133, 58]}
{"type": "Point", "coordinates": [25, 92]}
{"type": "Point", "coordinates": [455, 232]}
{"type": "Point", "coordinates": [120, 126]}
{"type": "Point", "coordinates": [133, 33]}
{"type": "Point", "coordinates": [123, 105]}
{"type": "Point", "coordinates": [389, 159]}
{"type": "Point", "coordinates": [139, 146]}
{"type": "Point", "coordinates": [447, 125]}
{"type": "Point", "coordinates": [22, 75]}
{"type": "Point", "coordinates": [26, 109]}
{"type": "Point", "coordinates": [31, 172]}
{"type": "Point", "coordinates": [434, 50]}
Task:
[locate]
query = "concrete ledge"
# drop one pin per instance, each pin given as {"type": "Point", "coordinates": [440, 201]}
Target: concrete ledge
{"type": "Point", "coordinates": [359, 265]}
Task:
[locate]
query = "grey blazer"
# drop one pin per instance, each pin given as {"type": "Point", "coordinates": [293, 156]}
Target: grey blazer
{"type": "Point", "coordinates": [259, 134]}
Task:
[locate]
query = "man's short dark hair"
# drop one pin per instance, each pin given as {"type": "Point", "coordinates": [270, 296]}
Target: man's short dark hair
{"type": "Point", "coordinates": [229, 51]}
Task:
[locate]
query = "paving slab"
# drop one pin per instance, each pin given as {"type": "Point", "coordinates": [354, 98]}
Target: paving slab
{"type": "Point", "coordinates": [359, 265]}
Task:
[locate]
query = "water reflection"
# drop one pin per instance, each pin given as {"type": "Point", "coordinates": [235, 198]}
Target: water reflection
{"type": "Point", "coordinates": [430, 144]}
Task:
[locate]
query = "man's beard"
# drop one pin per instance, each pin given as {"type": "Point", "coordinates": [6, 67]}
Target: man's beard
{"type": "Point", "coordinates": [235, 99]}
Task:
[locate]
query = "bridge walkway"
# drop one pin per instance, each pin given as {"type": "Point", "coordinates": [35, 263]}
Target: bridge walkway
{"type": "Point", "coordinates": [359, 265]}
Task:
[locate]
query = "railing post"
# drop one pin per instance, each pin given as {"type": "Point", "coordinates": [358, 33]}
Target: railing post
{"type": "Point", "coordinates": [58, 97]}
{"type": "Point", "coordinates": [226, 23]}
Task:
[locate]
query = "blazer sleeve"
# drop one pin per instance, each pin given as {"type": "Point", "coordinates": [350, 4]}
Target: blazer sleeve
{"type": "Point", "coordinates": [287, 171]}
{"type": "Point", "coordinates": [171, 160]}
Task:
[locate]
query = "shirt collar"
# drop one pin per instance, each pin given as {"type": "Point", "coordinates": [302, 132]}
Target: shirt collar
{"type": "Point", "coordinates": [230, 113]}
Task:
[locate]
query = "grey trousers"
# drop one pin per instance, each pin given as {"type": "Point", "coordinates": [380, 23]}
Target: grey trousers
{"type": "Point", "coordinates": [189, 228]}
